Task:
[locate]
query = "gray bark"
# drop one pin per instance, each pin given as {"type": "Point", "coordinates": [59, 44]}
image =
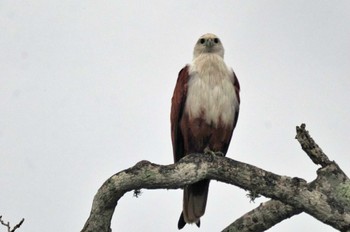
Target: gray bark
{"type": "Point", "coordinates": [327, 198]}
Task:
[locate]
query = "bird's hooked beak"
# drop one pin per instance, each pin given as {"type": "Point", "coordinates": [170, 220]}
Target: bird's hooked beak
{"type": "Point", "coordinates": [209, 43]}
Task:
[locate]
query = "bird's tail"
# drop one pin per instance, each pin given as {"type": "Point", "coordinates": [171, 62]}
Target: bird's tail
{"type": "Point", "coordinates": [194, 202]}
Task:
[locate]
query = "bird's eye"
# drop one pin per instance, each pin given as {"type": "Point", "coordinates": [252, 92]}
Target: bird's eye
{"type": "Point", "coordinates": [202, 41]}
{"type": "Point", "coordinates": [216, 40]}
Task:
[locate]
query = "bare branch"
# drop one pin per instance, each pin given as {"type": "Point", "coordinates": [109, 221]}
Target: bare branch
{"type": "Point", "coordinates": [263, 217]}
{"type": "Point", "coordinates": [327, 198]}
{"type": "Point", "coordinates": [310, 147]}
{"type": "Point", "coordinates": [8, 225]}
{"type": "Point", "coordinates": [18, 225]}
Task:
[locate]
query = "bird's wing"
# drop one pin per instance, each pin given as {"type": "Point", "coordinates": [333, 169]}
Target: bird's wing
{"type": "Point", "coordinates": [177, 107]}
{"type": "Point", "coordinates": [237, 89]}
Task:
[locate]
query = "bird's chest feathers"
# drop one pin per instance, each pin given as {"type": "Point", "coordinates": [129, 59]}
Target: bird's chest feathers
{"type": "Point", "coordinates": [211, 94]}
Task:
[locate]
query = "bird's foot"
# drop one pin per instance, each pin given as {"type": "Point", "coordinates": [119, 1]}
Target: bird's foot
{"type": "Point", "coordinates": [208, 151]}
{"type": "Point", "coordinates": [219, 153]}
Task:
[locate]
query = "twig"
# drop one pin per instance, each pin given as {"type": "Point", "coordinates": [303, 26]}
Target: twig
{"type": "Point", "coordinates": [8, 225]}
{"type": "Point", "coordinates": [310, 147]}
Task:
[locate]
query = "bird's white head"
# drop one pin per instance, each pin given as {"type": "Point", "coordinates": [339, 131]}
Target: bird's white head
{"type": "Point", "coordinates": [208, 43]}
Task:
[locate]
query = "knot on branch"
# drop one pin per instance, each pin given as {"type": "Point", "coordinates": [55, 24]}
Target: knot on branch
{"type": "Point", "coordinates": [142, 163]}
{"type": "Point", "coordinates": [310, 147]}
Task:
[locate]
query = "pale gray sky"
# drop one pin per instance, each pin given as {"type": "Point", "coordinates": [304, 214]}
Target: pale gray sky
{"type": "Point", "coordinates": [85, 89]}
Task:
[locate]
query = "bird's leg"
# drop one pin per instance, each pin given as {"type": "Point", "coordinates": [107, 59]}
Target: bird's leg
{"type": "Point", "coordinates": [208, 151]}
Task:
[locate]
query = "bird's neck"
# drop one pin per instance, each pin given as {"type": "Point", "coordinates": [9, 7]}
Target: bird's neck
{"type": "Point", "coordinates": [209, 64]}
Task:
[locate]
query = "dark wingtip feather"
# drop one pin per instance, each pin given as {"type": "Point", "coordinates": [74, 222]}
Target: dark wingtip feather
{"type": "Point", "coordinates": [198, 223]}
{"type": "Point", "coordinates": [181, 222]}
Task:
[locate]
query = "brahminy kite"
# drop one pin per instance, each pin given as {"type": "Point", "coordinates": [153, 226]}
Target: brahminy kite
{"type": "Point", "coordinates": [204, 113]}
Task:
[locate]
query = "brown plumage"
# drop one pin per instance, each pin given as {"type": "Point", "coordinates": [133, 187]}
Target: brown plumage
{"type": "Point", "coordinates": [204, 113]}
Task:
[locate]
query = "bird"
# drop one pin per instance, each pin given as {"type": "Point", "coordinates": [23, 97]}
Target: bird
{"type": "Point", "coordinates": [204, 113]}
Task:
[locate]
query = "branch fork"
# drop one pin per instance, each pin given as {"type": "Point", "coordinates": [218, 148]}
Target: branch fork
{"type": "Point", "coordinates": [327, 198]}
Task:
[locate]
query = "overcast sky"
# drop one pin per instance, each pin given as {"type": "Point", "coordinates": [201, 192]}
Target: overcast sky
{"type": "Point", "coordinates": [85, 89]}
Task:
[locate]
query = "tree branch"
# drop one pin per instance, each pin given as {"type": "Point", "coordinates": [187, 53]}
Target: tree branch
{"type": "Point", "coordinates": [327, 198]}
{"type": "Point", "coordinates": [263, 217]}
{"type": "Point", "coordinates": [310, 147]}
{"type": "Point", "coordinates": [7, 225]}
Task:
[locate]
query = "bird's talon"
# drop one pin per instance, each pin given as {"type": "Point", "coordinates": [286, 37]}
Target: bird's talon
{"type": "Point", "coordinates": [208, 151]}
{"type": "Point", "coordinates": [219, 153]}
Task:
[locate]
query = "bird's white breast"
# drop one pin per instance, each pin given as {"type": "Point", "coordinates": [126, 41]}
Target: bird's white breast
{"type": "Point", "coordinates": [211, 94]}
